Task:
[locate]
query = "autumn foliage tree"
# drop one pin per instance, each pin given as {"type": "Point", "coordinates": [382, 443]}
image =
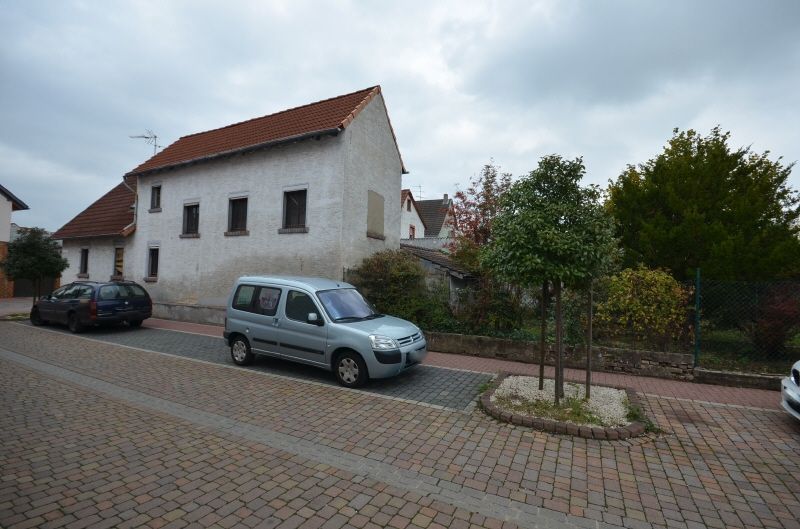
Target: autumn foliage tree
{"type": "Point", "coordinates": [474, 211]}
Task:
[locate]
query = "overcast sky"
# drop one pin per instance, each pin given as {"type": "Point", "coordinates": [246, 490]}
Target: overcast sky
{"type": "Point", "coordinates": [463, 81]}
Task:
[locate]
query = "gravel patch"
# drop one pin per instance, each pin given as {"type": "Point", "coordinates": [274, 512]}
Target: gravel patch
{"type": "Point", "coordinates": [609, 405]}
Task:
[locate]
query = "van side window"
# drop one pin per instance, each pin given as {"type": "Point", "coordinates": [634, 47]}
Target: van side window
{"type": "Point", "coordinates": [268, 300]}
{"type": "Point", "coordinates": [299, 305]}
{"type": "Point", "coordinates": [243, 300]}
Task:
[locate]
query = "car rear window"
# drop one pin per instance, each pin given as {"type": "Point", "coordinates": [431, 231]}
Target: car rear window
{"type": "Point", "coordinates": [121, 291]}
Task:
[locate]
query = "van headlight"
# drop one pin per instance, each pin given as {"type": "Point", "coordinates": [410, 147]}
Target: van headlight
{"type": "Point", "coordinates": [382, 343]}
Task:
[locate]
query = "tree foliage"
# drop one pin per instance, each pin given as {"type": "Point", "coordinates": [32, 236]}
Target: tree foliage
{"type": "Point", "coordinates": [33, 256]}
{"type": "Point", "coordinates": [551, 228]}
{"type": "Point", "coordinates": [649, 305]}
{"type": "Point", "coordinates": [701, 204]}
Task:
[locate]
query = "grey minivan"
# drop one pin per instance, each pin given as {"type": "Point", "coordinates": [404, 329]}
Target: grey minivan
{"type": "Point", "coordinates": [320, 322]}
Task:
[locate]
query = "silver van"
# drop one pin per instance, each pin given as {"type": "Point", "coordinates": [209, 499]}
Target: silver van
{"type": "Point", "coordinates": [319, 322]}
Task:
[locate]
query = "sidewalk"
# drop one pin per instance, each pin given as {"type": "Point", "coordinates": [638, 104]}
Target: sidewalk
{"type": "Point", "coordinates": [757, 398]}
{"type": "Point", "coordinates": [15, 306]}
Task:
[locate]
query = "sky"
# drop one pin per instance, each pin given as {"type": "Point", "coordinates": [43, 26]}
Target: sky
{"type": "Point", "coordinates": [464, 82]}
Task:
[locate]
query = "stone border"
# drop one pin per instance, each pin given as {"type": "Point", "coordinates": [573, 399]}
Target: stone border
{"type": "Point", "coordinates": [635, 429]}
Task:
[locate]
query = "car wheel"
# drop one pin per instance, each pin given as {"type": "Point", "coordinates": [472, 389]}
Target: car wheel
{"type": "Point", "coordinates": [135, 323]}
{"type": "Point", "coordinates": [36, 319]}
{"type": "Point", "coordinates": [240, 352]}
{"type": "Point", "coordinates": [350, 369]}
{"type": "Point", "coordinates": [74, 324]}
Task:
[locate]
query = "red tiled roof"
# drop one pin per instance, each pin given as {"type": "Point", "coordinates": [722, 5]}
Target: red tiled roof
{"type": "Point", "coordinates": [110, 215]}
{"type": "Point", "coordinates": [322, 117]}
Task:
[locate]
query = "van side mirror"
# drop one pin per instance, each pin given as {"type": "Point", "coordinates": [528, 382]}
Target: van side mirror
{"type": "Point", "coordinates": [314, 319]}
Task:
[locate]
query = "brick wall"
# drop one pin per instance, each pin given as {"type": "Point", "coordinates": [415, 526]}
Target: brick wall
{"type": "Point", "coordinates": [6, 286]}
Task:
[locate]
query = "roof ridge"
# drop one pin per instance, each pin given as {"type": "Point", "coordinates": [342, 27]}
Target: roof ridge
{"type": "Point", "coordinates": [368, 90]}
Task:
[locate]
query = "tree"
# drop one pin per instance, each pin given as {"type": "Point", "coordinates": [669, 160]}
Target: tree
{"type": "Point", "coordinates": [474, 210]}
{"type": "Point", "coordinates": [33, 256]}
{"type": "Point", "coordinates": [701, 204]}
{"type": "Point", "coordinates": [552, 229]}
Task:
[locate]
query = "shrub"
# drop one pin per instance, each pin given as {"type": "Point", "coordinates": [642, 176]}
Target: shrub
{"type": "Point", "coordinates": [777, 320]}
{"type": "Point", "coordinates": [394, 282]}
{"type": "Point", "coordinates": [649, 305]}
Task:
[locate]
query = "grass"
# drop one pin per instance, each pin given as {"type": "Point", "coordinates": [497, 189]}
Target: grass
{"type": "Point", "coordinates": [636, 414]}
{"type": "Point", "coordinates": [569, 410]}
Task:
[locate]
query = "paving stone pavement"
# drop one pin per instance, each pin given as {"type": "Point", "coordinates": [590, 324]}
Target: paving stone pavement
{"type": "Point", "coordinates": [162, 432]}
{"type": "Point", "coordinates": [450, 388]}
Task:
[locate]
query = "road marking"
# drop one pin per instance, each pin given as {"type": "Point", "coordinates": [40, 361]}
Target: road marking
{"type": "Point", "coordinates": [437, 489]}
{"type": "Point", "coordinates": [465, 411]}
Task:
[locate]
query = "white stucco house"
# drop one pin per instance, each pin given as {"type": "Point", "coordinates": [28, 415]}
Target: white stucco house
{"type": "Point", "coordinates": [411, 223]}
{"type": "Point", "coordinates": [310, 190]}
{"type": "Point", "coordinates": [9, 203]}
{"type": "Point", "coordinates": [437, 217]}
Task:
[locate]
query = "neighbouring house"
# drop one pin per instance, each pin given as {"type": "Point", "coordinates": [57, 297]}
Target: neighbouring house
{"type": "Point", "coordinates": [8, 204]}
{"type": "Point", "coordinates": [437, 215]}
{"type": "Point", "coordinates": [411, 223]}
{"type": "Point", "coordinates": [302, 191]}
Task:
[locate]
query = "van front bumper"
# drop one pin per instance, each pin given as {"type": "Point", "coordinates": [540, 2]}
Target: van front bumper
{"type": "Point", "coordinates": [401, 359]}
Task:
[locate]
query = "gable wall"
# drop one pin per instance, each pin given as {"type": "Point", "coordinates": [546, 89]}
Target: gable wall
{"type": "Point", "coordinates": [101, 258]}
{"type": "Point", "coordinates": [5, 219]}
{"type": "Point", "coordinates": [410, 218]}
{"type": "Point", "coordinates": [202, 270]}
{"type": "Point", "coordinates": [372, 163]}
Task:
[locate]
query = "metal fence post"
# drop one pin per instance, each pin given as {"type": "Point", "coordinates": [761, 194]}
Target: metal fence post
{"type": "Point", "coordinates": [697, 317]}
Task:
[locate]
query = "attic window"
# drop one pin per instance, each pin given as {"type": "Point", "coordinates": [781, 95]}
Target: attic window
{"type": "Point", "coordinates": [155, 198]}
{"type": "Point", "coordinates": [408, 205]}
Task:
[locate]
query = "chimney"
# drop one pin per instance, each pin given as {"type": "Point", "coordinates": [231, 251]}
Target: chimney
{"type": "Point", "coordinates": [445, 199]}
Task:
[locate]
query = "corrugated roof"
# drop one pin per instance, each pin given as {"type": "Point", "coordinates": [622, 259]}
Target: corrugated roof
{"type": "Point", "coordinates": [436, 257]}
{"type": "Point", "coordinates": [109, 215]}
{"type": "Point", "coordinates": [322, 117]}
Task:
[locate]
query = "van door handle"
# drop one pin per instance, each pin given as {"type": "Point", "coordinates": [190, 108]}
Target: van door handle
{"type": "Point", "coordinates": [275, 322]}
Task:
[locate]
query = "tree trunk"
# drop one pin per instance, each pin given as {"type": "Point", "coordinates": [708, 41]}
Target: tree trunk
{"type": "Point", "coordinates": [559, 345]}
{"type": "Point", "coordinates": [543, 336]}
{"type": "Point", "coordinates": [589, 343]}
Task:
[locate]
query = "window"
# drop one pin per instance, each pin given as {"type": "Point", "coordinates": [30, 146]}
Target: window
{"type": "Point", "coordinates": [412, 231]}
{"type": "Point", "coordinates": [260, 300]}
{"type": "Point", "coordinates": [155, 198]}
{"type": "Point", "coordinates": [408, 205]}
{"type": "Point", "coordinates": [294, 209]}
{"type": "Point", "coordinates": [237, 215]}
{"type": "Point", "coordinates": [84, 269]}
{"type": "Point", "coordinates": [191, 219]}
{"type": "Point", "coordinates": [152, 263]}
{"type": "Point", "coordinates": [299, 305]}
{"type": "Point", "coordinates": [118, 261]}
{"type": "Point", "coordinates": [375, 215]}
{"type": "Point", "coordinates": [83, 292]}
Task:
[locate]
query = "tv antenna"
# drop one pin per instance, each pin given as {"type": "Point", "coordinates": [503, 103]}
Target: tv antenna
{"type": "Point", "coordinates": [419, 192]}
{"type": "Point", "coordinates": [150, 138]}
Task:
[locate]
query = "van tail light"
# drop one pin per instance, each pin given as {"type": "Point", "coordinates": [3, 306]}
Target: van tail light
{"type": "Point", "coordinates": [93, 310]}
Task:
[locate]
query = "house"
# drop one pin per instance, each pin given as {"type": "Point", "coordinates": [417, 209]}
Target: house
{"type": "Point", "coordinates": [8, 204]}
{"type": "Point", "coordinates": [437, 216]}
{"type": "Point", "coordinates": [411, 223]}
{"type": "Point", "coordinates": [301, 191]}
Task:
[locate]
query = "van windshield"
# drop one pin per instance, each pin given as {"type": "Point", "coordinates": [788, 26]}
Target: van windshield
{"type": "Point", "coordinates": [346, 304]}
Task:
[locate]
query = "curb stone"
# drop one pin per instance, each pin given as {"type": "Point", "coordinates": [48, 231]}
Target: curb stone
{"type": "Point", "coordinates": [608, 433]}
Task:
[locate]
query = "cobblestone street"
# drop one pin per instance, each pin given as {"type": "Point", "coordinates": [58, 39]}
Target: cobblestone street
{"type": "Point", "coordinates": [98, 434]}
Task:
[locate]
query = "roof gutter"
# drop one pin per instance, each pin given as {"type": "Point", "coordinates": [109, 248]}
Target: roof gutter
{"type": "Point", "coordinates": [291, 139]}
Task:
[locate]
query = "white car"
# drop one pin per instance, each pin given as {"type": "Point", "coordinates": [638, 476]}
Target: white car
{"type": "Point", "coordinates": [790, 390]}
